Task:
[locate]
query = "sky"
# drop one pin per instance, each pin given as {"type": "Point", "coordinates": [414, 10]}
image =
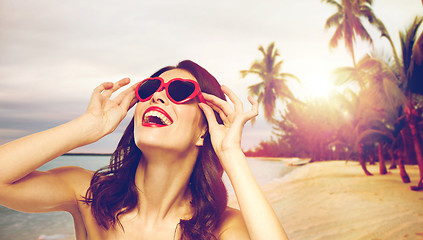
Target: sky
{"type": "Point", "coordinates": [54, 53]}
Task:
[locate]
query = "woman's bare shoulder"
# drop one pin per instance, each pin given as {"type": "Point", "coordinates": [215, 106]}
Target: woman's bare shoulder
{"type": "Point", "coordinates": [232, 225]}
{"type": "Point", "coordinates": [77, 177]}
{"type": "Point", "coordinates": [72, 172]}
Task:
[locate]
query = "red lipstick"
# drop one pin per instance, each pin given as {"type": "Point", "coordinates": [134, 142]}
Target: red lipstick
{"type": "Point", "coordinates": [156, 117]}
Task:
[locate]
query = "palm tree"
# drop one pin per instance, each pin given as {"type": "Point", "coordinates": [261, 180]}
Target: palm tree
{"type": "Point", "coordinates": [413, 67]}
{"type": "Point", "coordinates": [410, 73]}
{"type": "Point", "coordinates": [379, 102]}
{"type": "Point", "coordinates": [370, 132]}
{"type": "Point", "coordinates": [273, 83]}
{"type": "Point", "coordinates": [347, 21]}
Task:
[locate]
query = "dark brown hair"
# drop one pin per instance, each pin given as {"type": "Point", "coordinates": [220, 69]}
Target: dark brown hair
{"type": "Point", "coordinates": [113, 192]}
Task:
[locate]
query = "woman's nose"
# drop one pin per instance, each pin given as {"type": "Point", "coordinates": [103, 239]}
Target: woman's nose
{"type": "Point", "coordinates": [160, 97]}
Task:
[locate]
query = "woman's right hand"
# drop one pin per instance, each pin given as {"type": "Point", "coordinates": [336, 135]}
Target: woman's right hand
{"type": "Point", "coordinates": [103, 113]}
{"type": "Point", "coordinates": [23, 188]}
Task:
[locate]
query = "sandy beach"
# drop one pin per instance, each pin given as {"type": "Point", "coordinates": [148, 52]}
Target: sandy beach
{"type": "Point", "coordinates": [335, 200]}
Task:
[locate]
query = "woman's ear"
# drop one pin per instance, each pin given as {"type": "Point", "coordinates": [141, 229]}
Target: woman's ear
{"type": "Point", "coordinates": [200, 141]}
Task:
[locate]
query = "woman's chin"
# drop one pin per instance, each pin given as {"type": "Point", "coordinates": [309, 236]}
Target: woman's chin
{"type": "Point", "coordinates": [154, 144]}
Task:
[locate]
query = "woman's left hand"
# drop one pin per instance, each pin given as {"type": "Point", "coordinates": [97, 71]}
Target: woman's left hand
{"type": "Point", "coordinates": [226, 137]}
{"type": "Point", "coordinates": [226, 141]}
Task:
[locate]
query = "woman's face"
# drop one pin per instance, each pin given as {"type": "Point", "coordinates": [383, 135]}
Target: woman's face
{"type": "Point", "coordinates": [160, 123]}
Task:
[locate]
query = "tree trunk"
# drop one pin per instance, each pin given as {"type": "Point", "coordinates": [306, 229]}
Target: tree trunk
{"type": "Point", "coordinates": [404, 176]}
{"type": "Point", "coordinates": [382, 167]}
{"type": "Point", "coordinates": [408, 145]}
{"type": "Point", "coordinates": [362, 160]}
{"type": "Point", "coordinates": [393, 160]}
{"type": "Point", "coordinates": [419, 154]}
{"type": "Point", "coordinates": [400, 154]}
{"type": "Point", "coordinates": [371, 158]}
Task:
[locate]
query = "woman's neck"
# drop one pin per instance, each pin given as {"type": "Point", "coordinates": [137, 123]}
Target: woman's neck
{"type": "Point", "coordinates": [162, 179]}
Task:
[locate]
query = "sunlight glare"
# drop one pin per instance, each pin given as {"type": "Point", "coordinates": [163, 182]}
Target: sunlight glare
{"type": "Point", "coordinates": [319, 88]}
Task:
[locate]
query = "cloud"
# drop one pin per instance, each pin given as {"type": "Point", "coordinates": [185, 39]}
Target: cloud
{"type": "Point", "coordinates": [54, 53]}
{"type": "Point", "coordinates": [23, 117]}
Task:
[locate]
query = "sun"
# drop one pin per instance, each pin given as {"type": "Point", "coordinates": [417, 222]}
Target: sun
{"type": "Point", "coordinates": [319, 88]}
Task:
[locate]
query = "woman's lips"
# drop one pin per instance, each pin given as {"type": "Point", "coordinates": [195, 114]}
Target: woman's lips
{"type": "Point", "coordinates": [156, 117]}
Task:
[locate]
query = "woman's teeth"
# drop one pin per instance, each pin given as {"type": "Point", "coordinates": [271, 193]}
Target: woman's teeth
{"type": "Point", "coordinates": [151, 115]}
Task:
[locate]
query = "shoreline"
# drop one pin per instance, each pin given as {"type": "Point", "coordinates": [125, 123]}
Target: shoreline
{"type": "Point", "coordinates": [87, 154]}
{"type": "Point", "coordinates": [336, 200]}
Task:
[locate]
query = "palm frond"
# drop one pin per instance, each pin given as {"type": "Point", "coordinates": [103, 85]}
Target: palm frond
{"type": "Point", "coordinates": [270, 48]}
{"type": "Point", "coordinates": [377, 68]}
{"type": "Point", "coordinates": [334, 3]}
{"type": "Point", "coordinates": [260, 97]}
{"type": "Point", "coordinates": [270, 56]}
{"type": "Point", "coordinates": [276, 68]}
{"type": "Point", "coordinates": [257, 66]}
{"type": "Point", "coordinates": [361, 31]}
{"type": "Point", "coordinates": [408, 38]}
{"type": "Point", "coordinates": [395, 97]}
{"type": "Point", "coordinates": [334, 20]}
{"type": "Point", "coordinates": [333, 43]}
{"type": "Point", "coordinates": [282, 90]}
{"type": "Point", "coordinates": [255, 89]}
{"type": "Point", "coordinates": [345, 75]}
{"type": "Point", "coordinates": [289, 75]}
{"type": "Point", "coordinates": [370, 2]}
{"type": "Point", "coordinates": [261, 49]}
{"type": "Point", "coordinates": [373, 135]}
{"type": "Point", "coordinates": [244, 73]}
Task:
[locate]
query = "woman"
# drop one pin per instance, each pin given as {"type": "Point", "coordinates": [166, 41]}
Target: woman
{"type": "Point", "coordinates": [164, 179]}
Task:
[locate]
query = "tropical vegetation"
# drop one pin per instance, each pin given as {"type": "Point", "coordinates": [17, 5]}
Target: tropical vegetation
{"type": "Point", "coordinates": [382, 119]}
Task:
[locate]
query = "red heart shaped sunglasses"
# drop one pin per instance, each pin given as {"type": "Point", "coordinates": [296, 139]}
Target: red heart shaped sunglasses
{"type": "Point", "coordinates": [178, 90]}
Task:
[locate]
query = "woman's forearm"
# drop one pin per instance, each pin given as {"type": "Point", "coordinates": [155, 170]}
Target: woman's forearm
{"type": "Point", "coordinates": [261, 220]}
{"type": "Point", "coordinates": [22, 156]}
{"type": "Point", "coordinates": [103, 115]}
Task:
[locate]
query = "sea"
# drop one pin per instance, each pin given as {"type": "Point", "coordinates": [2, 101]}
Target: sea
{"type": "Point", "coordinates": [59, 225]}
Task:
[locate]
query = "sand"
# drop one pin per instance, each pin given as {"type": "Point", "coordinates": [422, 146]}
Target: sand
{"type": "Point", "coordinates": [335, 200]}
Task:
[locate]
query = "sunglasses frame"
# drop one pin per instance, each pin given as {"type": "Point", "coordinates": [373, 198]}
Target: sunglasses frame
{"type": "Point", "coordinates": [165, 85]}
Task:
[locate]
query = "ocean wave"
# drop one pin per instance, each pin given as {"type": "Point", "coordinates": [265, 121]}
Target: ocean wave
{"type": "Point", "coordinates": [56, 237]}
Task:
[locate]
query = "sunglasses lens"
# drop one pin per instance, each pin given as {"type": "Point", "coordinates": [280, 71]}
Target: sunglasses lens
{"type": "Point", "coordinates": [180, 90]}
{"type": "Point", "coordinates": [148, 88]}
